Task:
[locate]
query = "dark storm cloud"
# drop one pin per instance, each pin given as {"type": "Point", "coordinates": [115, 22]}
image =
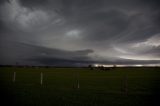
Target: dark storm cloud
{"type": "Point", "coordinates": [2, 1]}
{"type": "Point", "coordinates": [153, 51]}
{"type": "Point", "coordinates": [32, 53]}
{"type": "Point", "coordinates": [75, 62]}
{"type": "Point", "coordinates": [61, 61]}
{"type": "Point", "coordinates": [2, 27]}
{"type": "Point", "coordinates": [105, 25]}
{"type": "Point", "coordinates": [33, 2]}
{"type": "Point", "coordinates": [83, 31]}
{"type": "Point", "coordinates": [154, 3]}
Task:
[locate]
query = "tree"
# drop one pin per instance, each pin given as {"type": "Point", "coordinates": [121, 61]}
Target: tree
{"type": "Point", "coordinates": [90, 67]}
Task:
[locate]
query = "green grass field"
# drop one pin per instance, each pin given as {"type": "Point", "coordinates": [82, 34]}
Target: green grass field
{"type": "Point", "coordinates": [116, 87]}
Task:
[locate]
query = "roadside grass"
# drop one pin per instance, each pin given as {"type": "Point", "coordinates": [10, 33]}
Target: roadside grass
{"type": "Point", "coordinates": [116, 87]}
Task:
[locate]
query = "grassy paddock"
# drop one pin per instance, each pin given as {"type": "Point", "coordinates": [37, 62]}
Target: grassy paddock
{"type": "Point", "coordinates": [116, 87]}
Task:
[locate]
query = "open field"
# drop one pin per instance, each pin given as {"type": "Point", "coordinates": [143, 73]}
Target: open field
{"type": "Point", "coordinates": [116, 87]}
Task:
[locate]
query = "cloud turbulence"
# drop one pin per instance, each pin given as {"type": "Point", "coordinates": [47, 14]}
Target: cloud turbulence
{"type": "Point", "coordinates": [79, 32]}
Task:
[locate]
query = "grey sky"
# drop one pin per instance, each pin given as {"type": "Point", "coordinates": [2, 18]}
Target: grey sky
{"type": "Point", "coordinates": [79, 32]}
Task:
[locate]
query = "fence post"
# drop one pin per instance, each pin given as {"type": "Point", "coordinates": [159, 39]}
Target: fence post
{"type": "Point", "coordinates": [126, 85]}
{"type": "Point", "coordinates": [41, 81]}
{"type": "Point", "coordinates": [78, 86]}
{"type": "Point", "coordinates": [14, 77]}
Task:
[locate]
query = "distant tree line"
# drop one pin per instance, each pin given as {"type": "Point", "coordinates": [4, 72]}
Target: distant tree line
{"type": "Point", "coordinates": [101, 67]}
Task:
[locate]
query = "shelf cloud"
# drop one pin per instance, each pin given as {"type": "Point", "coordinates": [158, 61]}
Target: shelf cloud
{"type": "Point", "coordinates": [79, 32]}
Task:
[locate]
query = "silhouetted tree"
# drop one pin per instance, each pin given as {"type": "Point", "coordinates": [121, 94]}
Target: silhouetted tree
{"type": "Point", "coordinates": [90, 67]}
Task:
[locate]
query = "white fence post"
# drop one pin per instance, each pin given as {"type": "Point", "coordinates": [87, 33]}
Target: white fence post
{"type": "Point", "coordinates": [78, 86]}
{"type": "Point", "coordinates": [124, 88]}
{"type": "Point", "coordinates": [126, 85]}
{"type": "Point", "coordinates": [41, 78]}
{"type": "Point", "coordinates": [14, 77]}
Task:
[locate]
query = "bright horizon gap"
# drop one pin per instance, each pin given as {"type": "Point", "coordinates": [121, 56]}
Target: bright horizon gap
{"type": "Point", "coordinates": [131, 65]}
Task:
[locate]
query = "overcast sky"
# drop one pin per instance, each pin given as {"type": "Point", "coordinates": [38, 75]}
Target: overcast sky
{"type": "Point", "coordinates": [79, 32]}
